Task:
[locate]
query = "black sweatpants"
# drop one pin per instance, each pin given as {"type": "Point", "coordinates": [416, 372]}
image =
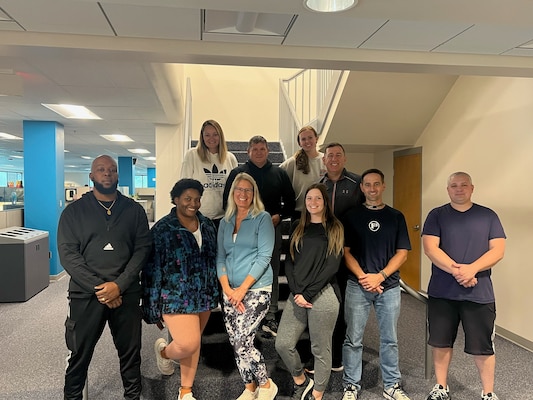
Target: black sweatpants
{"type": "Point", "coordinates": [84, 326]}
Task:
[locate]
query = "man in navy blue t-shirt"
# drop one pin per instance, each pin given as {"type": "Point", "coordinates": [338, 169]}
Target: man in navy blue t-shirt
{"type": "Point", "coordinates": [464, 241]}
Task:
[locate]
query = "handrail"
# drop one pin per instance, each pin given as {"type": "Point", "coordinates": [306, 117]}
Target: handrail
{"type": "Point", "coordinates": [306, 98]}
{"type": "Point", "coordinates": [423, 299]}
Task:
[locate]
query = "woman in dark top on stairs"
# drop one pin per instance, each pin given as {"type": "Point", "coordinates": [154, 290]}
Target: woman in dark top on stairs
{"type": "Point", "coordinates": [315, 254]}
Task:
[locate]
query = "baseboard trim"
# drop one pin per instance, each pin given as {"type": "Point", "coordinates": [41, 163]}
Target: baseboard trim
{"type": "Point", "coordinates": [55, 278]}
{"type": "Point", "coordinates": [514, 338]}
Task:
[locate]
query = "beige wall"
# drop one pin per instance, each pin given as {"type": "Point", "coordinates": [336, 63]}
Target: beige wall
{"type": "Point", "coordinates": [244, 100]}
{"type": "Point", "coordinates": [484, 128]}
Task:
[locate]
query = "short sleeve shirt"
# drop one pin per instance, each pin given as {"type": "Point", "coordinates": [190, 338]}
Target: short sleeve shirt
{"type": "Point", "coordinates": [374, 236]}
{"type": "Point", "coordinates": [464, 236]}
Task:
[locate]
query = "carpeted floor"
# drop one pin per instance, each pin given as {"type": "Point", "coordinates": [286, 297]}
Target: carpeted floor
{"type": "Point", "coordinates": [33, 352]}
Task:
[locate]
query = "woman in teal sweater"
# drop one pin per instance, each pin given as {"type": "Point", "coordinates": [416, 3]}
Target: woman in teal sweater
{"type": "Point", "coordinates": [245, 243]}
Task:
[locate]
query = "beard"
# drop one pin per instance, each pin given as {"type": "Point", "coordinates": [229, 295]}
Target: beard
{"type": "Point", "coordinates": [105, 190]}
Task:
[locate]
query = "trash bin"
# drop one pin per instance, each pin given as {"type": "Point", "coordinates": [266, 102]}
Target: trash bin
{"type": "Point", "coordinates": [24, 263]}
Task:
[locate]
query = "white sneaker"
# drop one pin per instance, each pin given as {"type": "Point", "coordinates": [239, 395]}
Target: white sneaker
{"type": "Point", "coordinates": [165, 365]}
{"type": "Point", "coordinates": [188, 396]}
{"type": "Point", "coordinates": [488, 396]}
{"type": "Point", "coordinates": [350, 393]}
{"type": "Point", "coordinates": [268, 393]}
{"type": "Point", "coordinates": [439, 392]}
{"type": "Point", "coordinates": [248, 395]}
{"type": "Point", "coordinates": [395, 393]}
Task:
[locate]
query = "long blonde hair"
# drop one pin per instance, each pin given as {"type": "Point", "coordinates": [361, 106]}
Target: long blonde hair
{"type": "Point", "coordinates": [257, 205]}
{"type": "Point", "coordinates": [301, 157]}
{"type": "Point", "coordinates": [333, 227]}
{"type": "Point", "coordinates": [203, 151]}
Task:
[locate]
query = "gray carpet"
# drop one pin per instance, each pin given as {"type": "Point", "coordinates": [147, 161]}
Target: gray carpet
{"type": "Point", "coordinates": [33, 352]}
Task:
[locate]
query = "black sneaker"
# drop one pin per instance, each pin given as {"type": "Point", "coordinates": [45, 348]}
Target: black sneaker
{"type": "Point", "coordinates": [270, 326]}
{"type": "Point", "coordinates": [301, 392]}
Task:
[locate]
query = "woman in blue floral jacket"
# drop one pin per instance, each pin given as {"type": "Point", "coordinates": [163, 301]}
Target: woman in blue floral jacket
{"type": "Point", "coordinates": [179, 282]}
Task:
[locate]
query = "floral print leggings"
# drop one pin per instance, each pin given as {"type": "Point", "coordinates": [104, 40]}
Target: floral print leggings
{"type": "Point", "coordinates": [241, 329]}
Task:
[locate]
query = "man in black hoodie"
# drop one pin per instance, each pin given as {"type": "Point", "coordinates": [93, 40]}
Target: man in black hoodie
{"type": "Point", "coordinates": [103, 242]}
{"type": "Point", "coordinates": [277, 194]}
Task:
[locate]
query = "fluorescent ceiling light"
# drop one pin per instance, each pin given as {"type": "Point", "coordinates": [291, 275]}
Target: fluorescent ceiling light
{"type": "Point", "coordinates": [66, 151]}
{"type": "Point", "coordinates": [17, 157]}
{"type": "Point", "coordinates": [86, 157]}
{"type": "Point", "coordinates": [70, 111]}
{"type": "Point", "coordinates": [139, 151]}
{"type": "Point", "coordinates": [8, 136]}
{"type": "Point", "coordinates": [117, 138]}
{"type": "Point", "coordinates": [149, 158]}
{"type": "Point", "coordinates": [329, 5]}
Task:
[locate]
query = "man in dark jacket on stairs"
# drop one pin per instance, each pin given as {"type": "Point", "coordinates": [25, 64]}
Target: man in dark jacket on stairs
{"type": "Point", "coordinates": [278, 196]}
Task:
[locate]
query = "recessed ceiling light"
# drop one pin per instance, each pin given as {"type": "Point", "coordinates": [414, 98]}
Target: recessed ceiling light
{"type": "Point", "coordinates": [8, 136]}
{"type": "Point", "coordinates": [149, 158]}
{"type": "Point", "coordinates": [17, 157]}
{"type": "Point", "coordinates": [86, 157]}
{"type": "Point", "coordinates": [329, 5]}
{"type": "Point", "coordinates": [139, 151]}
{"type": "Point", "coordinates": [117, 138]}
{"type": "Point", "coordinates": [66, 151]}
{"type": "Point", "coordinates": [71, 111]}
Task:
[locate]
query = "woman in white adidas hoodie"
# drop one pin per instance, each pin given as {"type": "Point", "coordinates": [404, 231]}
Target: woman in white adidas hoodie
{"type": "Point", "coordinates": [210, 162]}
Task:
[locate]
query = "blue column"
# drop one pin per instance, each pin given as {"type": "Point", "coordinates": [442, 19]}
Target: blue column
{"type": "Point", "coordinates": [126, 173]}
{"type": "Point", "coordinates": [44, 186]}
{"type": "Point", "coordinates": [150, 172]}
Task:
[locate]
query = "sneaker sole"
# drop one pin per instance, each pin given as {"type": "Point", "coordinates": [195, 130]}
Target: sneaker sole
{"type": "Point", "coordinates": [158, 357]}
{"type": "Point", "coordinates": [307, 389]}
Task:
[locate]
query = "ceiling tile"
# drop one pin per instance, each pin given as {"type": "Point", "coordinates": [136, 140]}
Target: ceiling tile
{"type": "Point", "coordinates": [9, 26]}
{"type": "Point", "coordinates": [60, 16]}
{"type": "Point", "coordinates": [412, 35]}
{"type": "Point", "coordinates": [154, 22]}
{"type": "Point", "coordinates": [487, 39]}
{"type": "Point", "coordinates": [316, 30]}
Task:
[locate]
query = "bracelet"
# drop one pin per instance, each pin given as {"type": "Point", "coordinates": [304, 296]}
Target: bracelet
{"type": "Point", "coordinates": [383, 274]}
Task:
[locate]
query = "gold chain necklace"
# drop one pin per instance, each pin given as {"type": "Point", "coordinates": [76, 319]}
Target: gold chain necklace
{"type": "Point", "coordinates": [108, 209]}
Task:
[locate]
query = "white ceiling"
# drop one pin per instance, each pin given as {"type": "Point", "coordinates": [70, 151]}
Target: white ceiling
{"type": "Point", "coordinates": [114, 56]}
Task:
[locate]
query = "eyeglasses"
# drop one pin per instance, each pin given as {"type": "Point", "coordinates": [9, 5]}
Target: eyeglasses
{"type": "Point", "coordinates": [243, 190]}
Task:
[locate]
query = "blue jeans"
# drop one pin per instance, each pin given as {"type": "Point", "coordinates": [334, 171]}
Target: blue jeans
{"type": "Point", "coordinates": [356, 310]}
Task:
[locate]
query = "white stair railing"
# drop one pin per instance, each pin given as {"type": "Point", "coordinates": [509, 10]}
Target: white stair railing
{"type": "Point", "coordinates": [305, 99]}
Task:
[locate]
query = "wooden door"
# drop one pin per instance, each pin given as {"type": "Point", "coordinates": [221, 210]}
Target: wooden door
{"type": "Point", "coordinates": [407, 197]}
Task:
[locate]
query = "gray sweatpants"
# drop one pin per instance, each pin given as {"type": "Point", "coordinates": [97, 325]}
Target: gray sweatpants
{"type": "Point", "coordinates": [321, 321]}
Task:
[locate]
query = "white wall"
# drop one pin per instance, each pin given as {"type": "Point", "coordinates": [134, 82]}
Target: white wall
{"type": "Point", "coordinates": [484, 127]}
{"type": "Point", "coordinates": [244, 100]}
{"type": "Point", "coordinates": [169, 153]}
